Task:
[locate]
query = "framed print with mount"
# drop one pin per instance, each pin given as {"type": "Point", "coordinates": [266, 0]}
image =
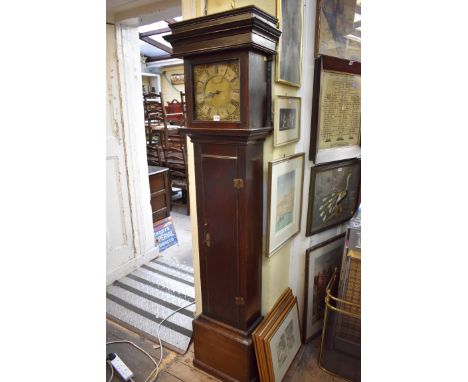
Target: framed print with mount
{"type": "Point", "coordinates": [278, 338]}
{"type": "Point", "coordinates": [336, 110]}
{"type": "Point", "coordinates": [287, 120]}
{"type": "Point", "coordinates": [321, 261]}
{"type": "Point", "coordinates": [289, 57]}
{"type": "Point", "coordinates": [333, 194]}
{"type": "Point", "coordinates": [285, 181]}
{"type": "Point", "coordinates": [338, 29]}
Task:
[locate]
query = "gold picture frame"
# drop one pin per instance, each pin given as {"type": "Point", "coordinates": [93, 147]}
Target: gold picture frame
{"type": "Point", "coordinates": [289, 57]}
{"type": "Point", "coordinates": [287, 120]}
{"type": "Point", "coordinates": [285, 183]}
{"type": "Point", "coordinates": [177, 79]}
{"type": "Point", "coordinates": [277, 339]}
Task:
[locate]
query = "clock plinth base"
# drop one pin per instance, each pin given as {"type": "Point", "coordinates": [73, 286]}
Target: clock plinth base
{"type": "Point", "coordinates": [223, 351]}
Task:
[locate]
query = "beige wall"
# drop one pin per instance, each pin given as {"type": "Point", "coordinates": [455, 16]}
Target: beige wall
{"type": "Point", "coordinates": [146, 82]}
{"type": "Point", "coordinates": [170, 91]}
{"type": "Point", "coordinates": [215, 6]}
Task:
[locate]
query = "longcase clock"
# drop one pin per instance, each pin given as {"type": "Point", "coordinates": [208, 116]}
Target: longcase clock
{"type": "Point", "coordinates": [227, 59]}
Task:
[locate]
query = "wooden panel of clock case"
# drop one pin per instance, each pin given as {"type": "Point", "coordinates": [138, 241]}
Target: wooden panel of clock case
{"type": "Point", "coordinates": [230, 264]}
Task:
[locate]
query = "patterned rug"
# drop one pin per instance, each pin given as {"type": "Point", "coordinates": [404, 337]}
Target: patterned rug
{"type": "Point", "coordinates": [142, 299]}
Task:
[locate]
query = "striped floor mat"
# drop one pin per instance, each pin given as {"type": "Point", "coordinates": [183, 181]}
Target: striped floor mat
{"type": "Point", "coordinates": [142, 299]}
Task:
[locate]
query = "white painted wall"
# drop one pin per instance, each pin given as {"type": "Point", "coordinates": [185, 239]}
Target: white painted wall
{"type": "Point", "coordinates": [119, 231]}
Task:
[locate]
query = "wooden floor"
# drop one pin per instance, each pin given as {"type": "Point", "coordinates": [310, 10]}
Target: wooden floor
{"type": "Point", "coordinates": [176, 368]}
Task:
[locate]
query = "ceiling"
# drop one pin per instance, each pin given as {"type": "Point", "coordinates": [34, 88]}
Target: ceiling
{"type": "Point", "coordinates": [153, 16]}
{"type": "Point", "coordinates": [152, 43]}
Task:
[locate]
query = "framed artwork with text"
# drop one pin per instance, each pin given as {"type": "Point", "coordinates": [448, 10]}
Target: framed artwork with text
{"type": "Point", "coordinates": [336, 110]}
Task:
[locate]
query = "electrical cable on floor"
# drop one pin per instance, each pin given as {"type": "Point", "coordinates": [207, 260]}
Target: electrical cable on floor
{"type": "Point", "coordinates": [112, 371]}
{"type": "Point", "coordinates": [153, 375]}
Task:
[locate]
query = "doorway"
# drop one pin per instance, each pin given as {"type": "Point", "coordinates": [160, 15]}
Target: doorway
{"type": "Point", "coordinates": [165, 283]}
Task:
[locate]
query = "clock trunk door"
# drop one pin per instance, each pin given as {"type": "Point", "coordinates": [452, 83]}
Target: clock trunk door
{"type": "Point", "coordinates": [218, 232]}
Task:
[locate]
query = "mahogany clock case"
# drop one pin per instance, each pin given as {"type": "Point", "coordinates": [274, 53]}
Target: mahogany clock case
{"type": "Point", "coordinates": [228, 159]}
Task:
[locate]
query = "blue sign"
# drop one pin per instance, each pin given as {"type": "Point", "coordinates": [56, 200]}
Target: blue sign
{"type": "Point", "coordinates": [164, 234]}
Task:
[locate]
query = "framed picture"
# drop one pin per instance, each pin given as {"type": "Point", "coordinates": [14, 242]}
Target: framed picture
{"type": "Point", "coordinates": [338, 29]}
{"type": "Point", "coordinates": [321, 261]}
{"type": "Point", "coordinates": [336, 111]}
{"type": "Point", "coordinates": [279, 339]}
{"type": "Point", "coordinates": [264, 327]}
{"type": "Point", "coordinates": [287, 120]}
{"type": "Point", "coordinates": [285, 181]}
{"type": "Point", "coordinates": [333, 194]}
{"type": "Point", "coordinates": [289, 58]}
{"type": "Point", "coordinates": [177, 79]}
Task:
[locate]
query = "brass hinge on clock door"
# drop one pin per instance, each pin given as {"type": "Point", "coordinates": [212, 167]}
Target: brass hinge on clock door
{"type": "Point", "coordinates": [238, 183]}
{"type": "Point", "coordinates": [239, 300]}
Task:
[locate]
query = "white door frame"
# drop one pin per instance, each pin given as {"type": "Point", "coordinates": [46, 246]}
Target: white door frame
{"type": "Point", "coordinates": [129, 68]}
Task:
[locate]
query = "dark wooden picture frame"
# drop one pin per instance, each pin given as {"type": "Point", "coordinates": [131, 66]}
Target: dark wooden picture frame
{"type": "Point", "coordinates": [329, 64]}
{"type": "Point", "coordinates": [333, 197]}
{"type": "Point", "coordinates": [331, 251]}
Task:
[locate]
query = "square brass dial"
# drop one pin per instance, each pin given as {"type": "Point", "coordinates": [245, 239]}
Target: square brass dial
{"type": "Point", "coordinates": [217, 91]}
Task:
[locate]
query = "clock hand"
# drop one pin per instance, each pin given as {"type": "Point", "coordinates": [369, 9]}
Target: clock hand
{"type": "Point", "coordinates": [211, 94]}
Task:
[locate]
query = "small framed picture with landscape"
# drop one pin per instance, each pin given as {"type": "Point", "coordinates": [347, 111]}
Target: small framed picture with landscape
{"type": "Point", "coordinates": [285, 181]}
{"type": "Point", "coordinates": [287, 120]}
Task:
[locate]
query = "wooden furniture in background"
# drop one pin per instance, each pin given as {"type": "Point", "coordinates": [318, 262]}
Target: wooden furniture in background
{"type": "Point", "coordinates": [174, 112]}
{"type": "Point", "coordinates": [155, 116]}
{"type": "Point", "coordinates": [160, 190]}
{"type": "Point", "coordinates": [175, 158]}
{"type": "Point", "coordinates": [229, 181]}
{"type": "Point", "coordinates": [154, 154]}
